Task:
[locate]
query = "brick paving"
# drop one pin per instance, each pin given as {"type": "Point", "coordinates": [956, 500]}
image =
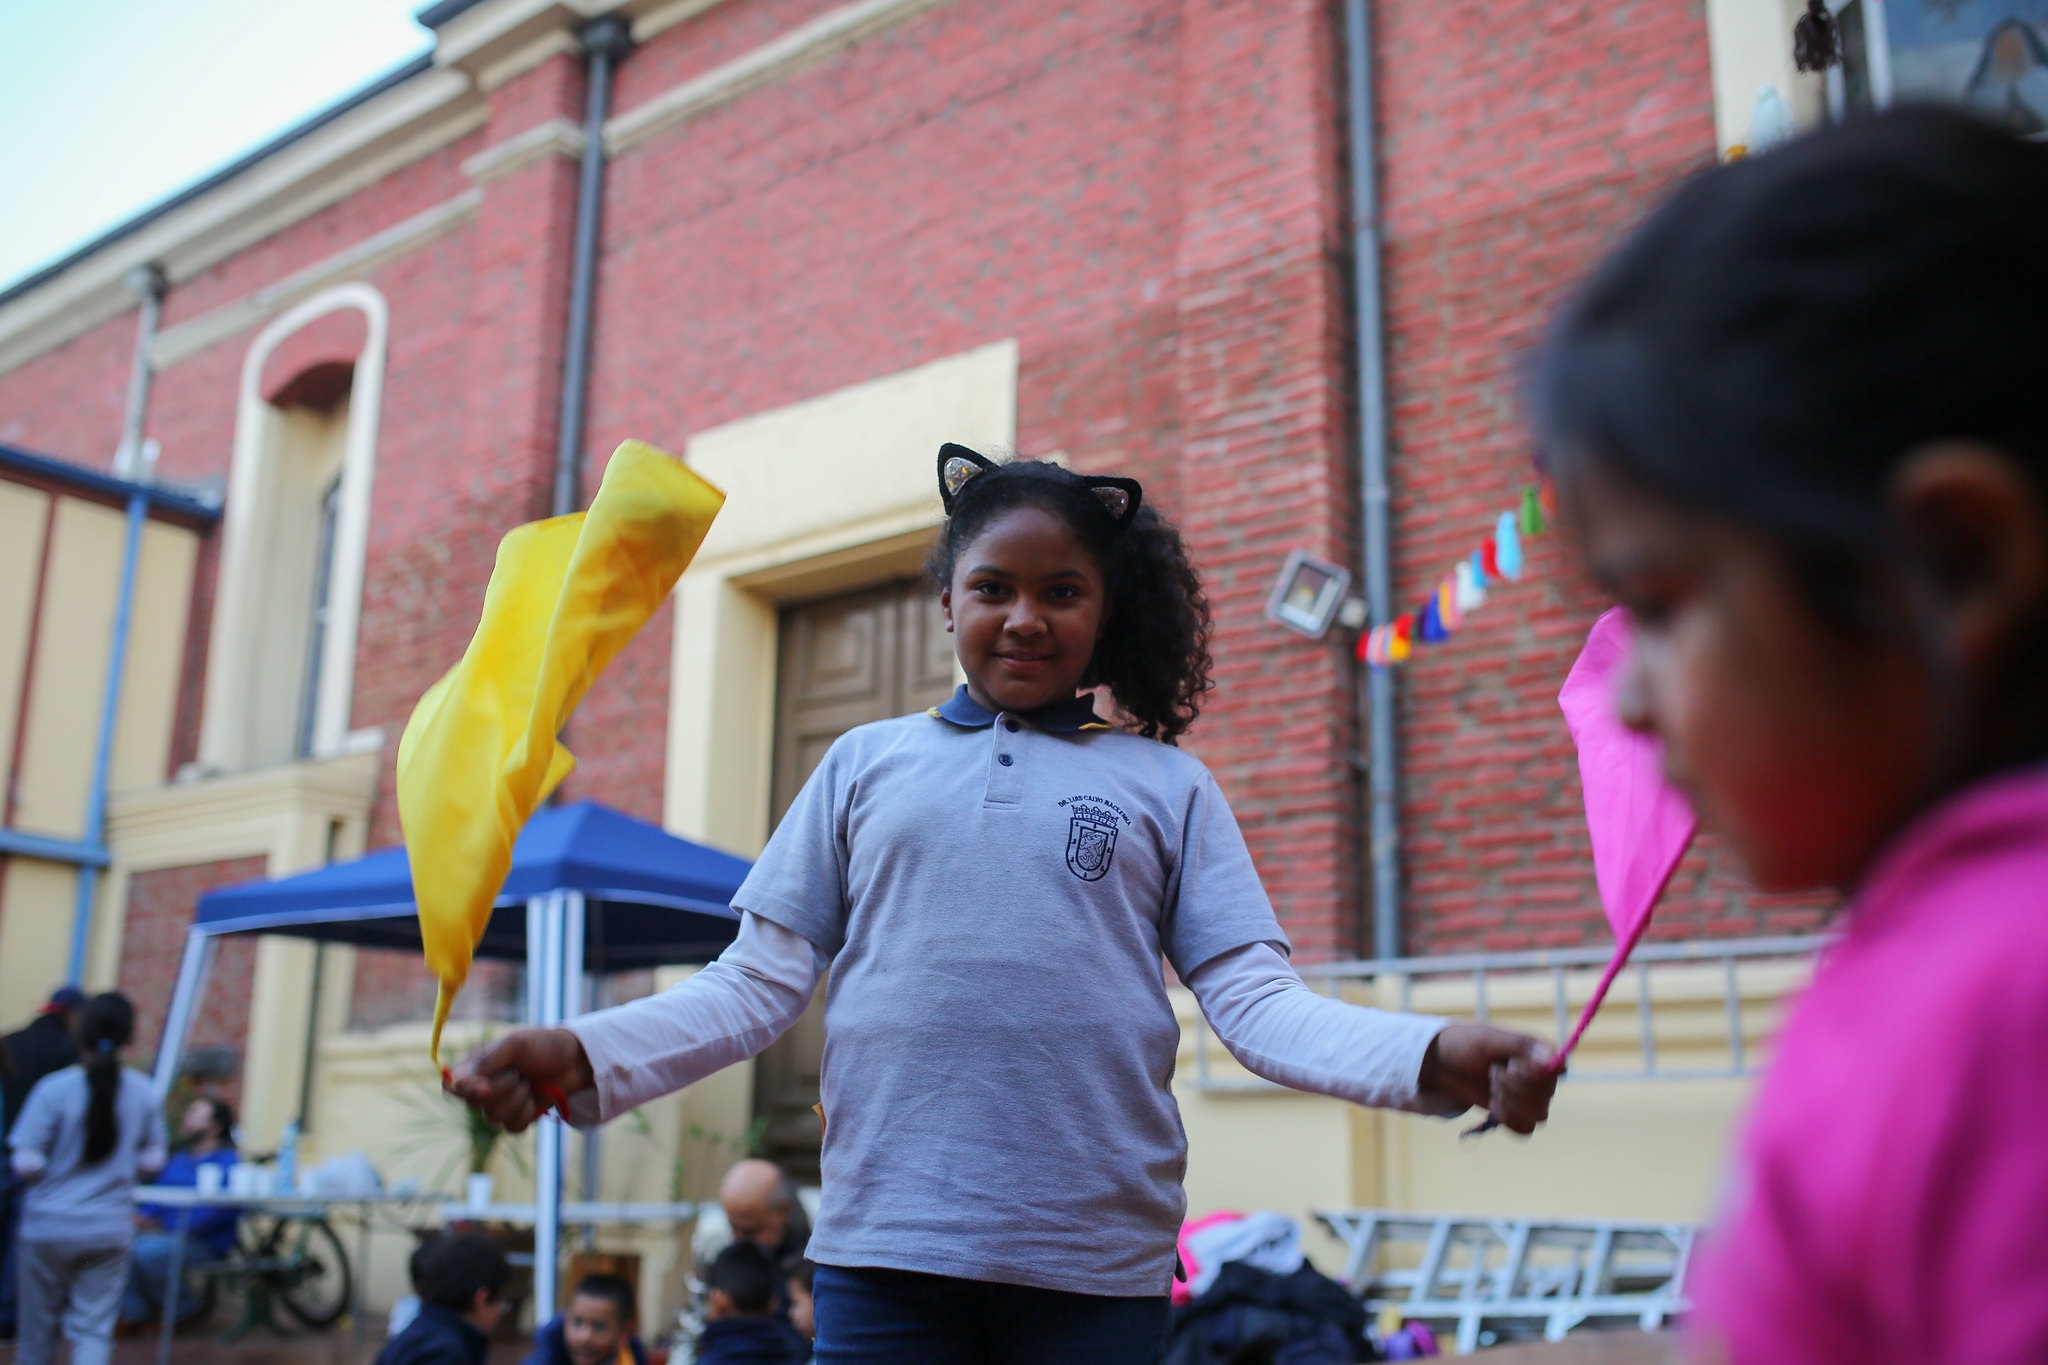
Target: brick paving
{"type": "Point", "coordinates": [333, 1348]}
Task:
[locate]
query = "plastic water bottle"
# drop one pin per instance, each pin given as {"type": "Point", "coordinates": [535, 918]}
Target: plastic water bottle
{"type": "Point", "coordinates": [288, 1158]}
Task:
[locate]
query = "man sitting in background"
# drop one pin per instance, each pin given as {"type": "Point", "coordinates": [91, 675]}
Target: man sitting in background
{"type": "Point", "coordinates": [761, 1206]}
{"type": "Point", "coordinates": [743, 1327]}
{"type": "Point", "coordinates": [595, 1329]}
{"type": "Point", "coordinates": [460, 1278]}
{"type": "Point", "coordinates": [207, 1133]}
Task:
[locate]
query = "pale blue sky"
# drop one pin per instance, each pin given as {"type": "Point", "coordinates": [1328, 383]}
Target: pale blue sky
{"type": "Point", "coordinates": [107, 106]}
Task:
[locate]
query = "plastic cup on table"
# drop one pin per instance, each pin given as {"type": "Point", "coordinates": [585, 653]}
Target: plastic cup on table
{"type": "Point", "coordinates": [480, 1190]}
{"type": "Point", "coordinates": [210, 1178]}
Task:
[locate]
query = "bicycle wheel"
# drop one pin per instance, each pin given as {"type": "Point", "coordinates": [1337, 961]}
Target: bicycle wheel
{"type": "Point", "coordinates": [314, 1281]}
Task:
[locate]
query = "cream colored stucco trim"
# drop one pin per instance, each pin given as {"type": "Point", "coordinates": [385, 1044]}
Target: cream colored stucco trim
{"type": "Point", "coordinates": [661, 17]}
{"type": "Point", "coordinates": [556, 137]}
{"type": "Point", "coordinates": [494, 73]}
{"type": "Point", "coordinates": [496, 37]}
{"type": "Point", "coordinates": [237, 815]}
{"type": "Point", "coordinates": [829, 33]}
{"type": "Point", "coordinates": [1749, 45]}
{"type": "Point", "coordinates": [501, 39]}
{"type": "Point", "coordinates": [365, 145]}
{"type": "Point", "coordinates": [236, 642]}
{"type": "Point", "coordinates": [827, 495]}
{"type": "Point", "coordinates": [208, 329]}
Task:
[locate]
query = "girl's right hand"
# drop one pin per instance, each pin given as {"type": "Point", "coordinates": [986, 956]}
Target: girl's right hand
{"type": "Point", "coordinates": [505, 1081]}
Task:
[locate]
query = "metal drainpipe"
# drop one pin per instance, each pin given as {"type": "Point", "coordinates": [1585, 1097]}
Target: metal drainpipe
{"type": "Point", "coordinates": [147, 281]}
{"type": "Point", "coordinates": [606, 42]}
{"type": "Point", "coordinates": [1383, 773]}
{"type": "Point", "coordinates": [133, 463]}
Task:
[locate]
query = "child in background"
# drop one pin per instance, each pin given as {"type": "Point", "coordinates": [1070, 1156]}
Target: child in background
{"type": "Point", "coordinates": [994, 884]}
{"type": "Point", "coordinates": [741, 1326]}
{"type": "Point", "coordinates": [597, 1328]}
{"type": "Point", "coordinates": [460, 1278]}
{"type": "Point", "coordinates": [85, 1135]}
{"type": "Point", "coordinates": [797, 1275]}
{"type": "Point", "coordinates": [1799, 425]}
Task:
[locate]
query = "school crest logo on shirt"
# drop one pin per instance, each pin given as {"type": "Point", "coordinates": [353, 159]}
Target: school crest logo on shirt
{"type": "Point", "coordinates": [1091, 843]}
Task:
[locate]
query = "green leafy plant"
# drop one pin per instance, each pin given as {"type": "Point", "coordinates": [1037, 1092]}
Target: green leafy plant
{"type": "Point", "coordinates": [463, 1139]}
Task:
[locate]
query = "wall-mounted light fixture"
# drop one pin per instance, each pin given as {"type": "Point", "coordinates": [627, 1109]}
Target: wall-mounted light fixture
{"type": "Point", "coordinates": [1308, 594]}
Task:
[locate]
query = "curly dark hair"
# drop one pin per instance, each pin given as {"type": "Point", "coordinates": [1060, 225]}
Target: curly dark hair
{"type": "Point", "coordinates": [1153, 654]}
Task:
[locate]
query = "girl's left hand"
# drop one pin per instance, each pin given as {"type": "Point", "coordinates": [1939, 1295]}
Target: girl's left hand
{"type": "Point", "coordinates": [1507, 1074]}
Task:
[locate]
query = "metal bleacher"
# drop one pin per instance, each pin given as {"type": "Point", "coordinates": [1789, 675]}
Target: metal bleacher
{"type": "Point", "coordinates": [1481, 1276]}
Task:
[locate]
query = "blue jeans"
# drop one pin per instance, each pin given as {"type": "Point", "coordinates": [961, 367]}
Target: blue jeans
{"type": "Point", "coordinates": [898, 1317]}
{"type": "Point", "coordinates": [149, 1277]}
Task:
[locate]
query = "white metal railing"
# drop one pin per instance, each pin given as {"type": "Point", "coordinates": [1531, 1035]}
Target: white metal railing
{"type": "Point", "coordinates": [1484, 1275]}
{"type": "Point", "coordinates": [1399, 978]}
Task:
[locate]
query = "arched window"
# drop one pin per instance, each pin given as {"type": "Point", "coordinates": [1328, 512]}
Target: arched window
{"type": "Point", "coordinates": [281, 663]}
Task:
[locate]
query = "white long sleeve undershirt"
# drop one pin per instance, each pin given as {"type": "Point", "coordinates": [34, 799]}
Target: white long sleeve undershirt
{"type": "Point", "coordinates": [1256, 1003]}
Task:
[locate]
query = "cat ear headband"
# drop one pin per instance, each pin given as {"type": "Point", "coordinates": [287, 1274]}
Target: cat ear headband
{"type": "Point", "coordinates": [959, 466]}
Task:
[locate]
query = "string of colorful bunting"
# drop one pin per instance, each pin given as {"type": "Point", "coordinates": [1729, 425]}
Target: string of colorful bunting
{"type": "Point", "coordinates": [1464, 589]}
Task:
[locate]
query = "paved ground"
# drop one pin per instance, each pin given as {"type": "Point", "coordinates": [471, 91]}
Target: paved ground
{"type": "Point", "coordinates": [1604, 1348]}
{"type": "Point", "coordinates": [1594, 1348]}
{"type": "Point", "coordinates": [1590, 1348]}
{"type": "Point", "coordinates": [208, 1349]}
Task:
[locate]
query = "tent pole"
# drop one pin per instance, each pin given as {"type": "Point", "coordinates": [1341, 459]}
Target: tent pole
{"type": "Point", "coordinates": [574, 920]}
{"type": "Point", "coordinates": [192, 972]}
{"type": "Point", "coordinates": [547, 1165]}
{"type": "Point", "coordinates": [536, 928]}
{"type": "Point", "coordinates": [574, 917]}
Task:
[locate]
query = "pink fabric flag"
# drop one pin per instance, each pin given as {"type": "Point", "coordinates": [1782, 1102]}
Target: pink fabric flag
{"type": "Point", "coordinates": [1641, 825]}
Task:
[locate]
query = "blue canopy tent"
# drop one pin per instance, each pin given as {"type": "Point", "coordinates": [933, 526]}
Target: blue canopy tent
{"type": "Point", "coordinates": [591, 891]}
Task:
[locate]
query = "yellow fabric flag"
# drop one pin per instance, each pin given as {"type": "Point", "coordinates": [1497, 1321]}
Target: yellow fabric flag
{"type": "Point", "coordinates": [480, 752]}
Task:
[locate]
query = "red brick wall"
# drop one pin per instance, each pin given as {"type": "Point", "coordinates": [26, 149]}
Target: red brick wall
{"type": "Point", "coordinates": [1146, 196]}
{"type": "Point", "coordinates": [1517, 144]}
{"type": "Point", "coordinates": [1150, 196]}
{"type": "Point", "coordinates": [160, 906]}
{"type": "Point", "coordinates": [877, 211]}
{"type": "Point", "coordinates": [69, 402]}
{"type": "Point", "coordinates": [1265, 435]}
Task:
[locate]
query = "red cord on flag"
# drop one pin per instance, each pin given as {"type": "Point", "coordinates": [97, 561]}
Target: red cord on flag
{"type": "Point", "coordinates": [552, 1100]}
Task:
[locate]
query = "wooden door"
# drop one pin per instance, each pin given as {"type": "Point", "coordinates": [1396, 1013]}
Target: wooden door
{"type": "Point", "coordinates": [843, 661]}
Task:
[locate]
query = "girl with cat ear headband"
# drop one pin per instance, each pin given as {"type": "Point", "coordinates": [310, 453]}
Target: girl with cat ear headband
{"type": "Point", "coordinates": [994, 885]}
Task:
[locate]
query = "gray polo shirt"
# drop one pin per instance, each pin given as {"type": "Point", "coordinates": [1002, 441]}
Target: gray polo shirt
{"type": "Point", "coordinates": [996, 893]}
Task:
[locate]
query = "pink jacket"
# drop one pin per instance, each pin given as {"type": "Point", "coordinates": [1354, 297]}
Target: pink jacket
{"type": "Point", "coordinates": [1890, 1198]}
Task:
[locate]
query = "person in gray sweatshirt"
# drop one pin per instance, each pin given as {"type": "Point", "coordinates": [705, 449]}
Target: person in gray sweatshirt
{"type": "Point", "coordinates": [84, 1136]}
